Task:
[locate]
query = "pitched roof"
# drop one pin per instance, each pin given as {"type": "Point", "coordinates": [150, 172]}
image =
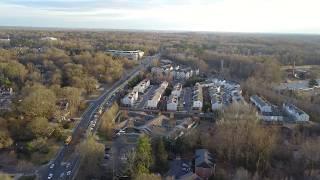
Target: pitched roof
{"type": "Point", "coordinates": [204, 159]}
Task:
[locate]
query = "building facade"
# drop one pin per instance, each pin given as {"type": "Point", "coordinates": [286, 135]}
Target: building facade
{"type": "Point", "coordinates": [131, 55]}
{"type": "Point", "coordinates": [155, 98]}
{"type": "Point", "coordinates": [130, 98]}
{"type": "Point", "coordinates": [295, 113]}
{"type": "Point", "coordinates": [261, 104]}
{"type": "Point", "coordinates": [197, 97]}
{"type": "Point", "coordinates": [142, 86]}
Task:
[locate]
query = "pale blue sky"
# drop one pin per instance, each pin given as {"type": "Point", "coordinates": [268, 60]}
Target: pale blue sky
{"type": "Point", "coordinates": [275, 16]}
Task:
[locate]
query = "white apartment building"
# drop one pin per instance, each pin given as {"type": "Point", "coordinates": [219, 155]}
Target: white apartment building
{"type": "Point", "coordinates": [177, 90]}
{"type": "Point", "coordinates": [297, 114]}
{"type": "Point", "coordinates": [5, 40]}
{"type": "Point", "coordinates": [154, 100]}
{"type": "Point", "coordinates": [130, 98]}
{"type": "Point", "coordinates": [172, 103]}
{"type": "Point", "coordinates": [197, 97]}
{"type": "Point", "coordinates": [49, 39]}
{"type": "Point", "coordinates": [132, 55]}
{"type": "Point", "coordinates": [142, 86]}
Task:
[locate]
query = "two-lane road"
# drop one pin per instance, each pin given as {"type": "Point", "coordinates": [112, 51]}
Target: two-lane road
{"type": "Point", "coordinates": [60, 168]}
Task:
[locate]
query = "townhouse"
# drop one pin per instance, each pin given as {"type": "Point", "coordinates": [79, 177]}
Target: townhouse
{"type": "Point", "coordinates": [142, 86]}
{"type": "Point", "coordinates": [130, 98]}
{"type": "Point", "coordinates": [197, 97]}
{"type": "Point", "coordinates": [155, 98]}
{"type": "Point", "coordinates": [267, 111]}
{"type": "Point", "coordinates": [172, 103]}
{"type": "Point", "coordinates": [295, 113]}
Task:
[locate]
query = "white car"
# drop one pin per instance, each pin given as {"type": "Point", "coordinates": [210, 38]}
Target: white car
{"type": "Point", "coordinates": [68, 173]}
{"type": "Point", "coordinates": [50, 176]}
{"type": "Point", "coordinates": [68, 165]}
{"type": "Point", "coordinates": [51, 166]}
{"type": "Point", "coordinates": [185, 165]}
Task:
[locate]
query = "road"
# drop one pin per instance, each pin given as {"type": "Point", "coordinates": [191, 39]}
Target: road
{"type": "Point", "coordinates": [60, 169]}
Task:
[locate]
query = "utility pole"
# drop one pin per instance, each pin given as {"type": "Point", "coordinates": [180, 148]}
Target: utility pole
{"type": "Point", "coordinates": [293, 68]}
{"type": "Point", "coordinates": [221, 67]}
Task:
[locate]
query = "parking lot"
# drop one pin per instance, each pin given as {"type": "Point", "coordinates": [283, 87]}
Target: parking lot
{"type": "Point", "coordinates": [144, 97]}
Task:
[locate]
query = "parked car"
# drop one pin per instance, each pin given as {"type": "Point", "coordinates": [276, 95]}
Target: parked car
{"type": "Point", "coordinates": [51, 166]}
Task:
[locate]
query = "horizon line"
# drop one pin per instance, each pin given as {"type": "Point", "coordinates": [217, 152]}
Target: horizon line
{"type": "Point", "coordinates": [149, 30]}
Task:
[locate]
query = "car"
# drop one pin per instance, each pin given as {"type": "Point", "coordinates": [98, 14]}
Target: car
{"type": "Point", "coordinates": [185, 165]}
{"type": "Point", "coordinates": [61, 175]}
{"type": "Point", "coordinates": [68, 173]}
{"type": "Point", "coordinates": [68, 165]}
{"type": "Point", "coordinates": [50, 176]}
{"type": "Point", "coordinates": [186, 169]}
{"type": "Point", "coordinates": [106, 156]}
{"type": "Point", "coordinates": [51, 166]}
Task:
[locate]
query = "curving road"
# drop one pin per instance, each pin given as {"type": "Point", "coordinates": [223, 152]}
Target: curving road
{"type": "Point", "coordinates": [67, 160]}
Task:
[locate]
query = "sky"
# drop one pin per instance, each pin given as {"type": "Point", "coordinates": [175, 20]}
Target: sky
{"type": "Point", "coordinates": [269, 16]}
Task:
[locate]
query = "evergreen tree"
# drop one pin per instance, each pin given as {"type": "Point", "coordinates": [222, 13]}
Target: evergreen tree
{"type": "Point", "coordinates": [313, 83]}
{"type": "Point", "coordinates": [161, 156]}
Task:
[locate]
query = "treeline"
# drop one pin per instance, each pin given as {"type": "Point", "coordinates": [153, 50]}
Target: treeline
{"type": "Point", "coordinates": [75, 42]}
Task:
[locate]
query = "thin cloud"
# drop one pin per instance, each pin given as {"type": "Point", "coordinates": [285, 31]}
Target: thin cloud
{"type": "Point", "coordinates": [285, 16]}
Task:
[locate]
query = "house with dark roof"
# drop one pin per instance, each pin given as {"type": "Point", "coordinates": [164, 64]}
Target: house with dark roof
{"type": "Point", "coordinates": [295, 113]}
{"type": "Point", "coordinates": [267, 112]}
{"type": "Point", "coordinates": [204, 163]}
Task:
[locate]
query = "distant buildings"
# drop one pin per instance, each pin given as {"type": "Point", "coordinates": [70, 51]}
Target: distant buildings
{"type": "Point", "coordinates": [176, 72]}
{"type": "Point", "coordinates": [197, 97]}
{"type": "Point", "coordinates": [49, 39]}
{"type": "Point", "coordinates": [154, 100]}
{"type": "Point", "coordinates": [5, 40]}
{"type": "Point", "coordinates": [132, 55]}
{"type": "Point", "coordinates": [223, 93]}
{"type": "Point", "coordinates": [204, 163]}
{"type": "Point", "coordinates": [267, 111]}
{"type": "Point", "coordinates": [271, 113]}
{"type": "Point", "coordinates": [295, 113]}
